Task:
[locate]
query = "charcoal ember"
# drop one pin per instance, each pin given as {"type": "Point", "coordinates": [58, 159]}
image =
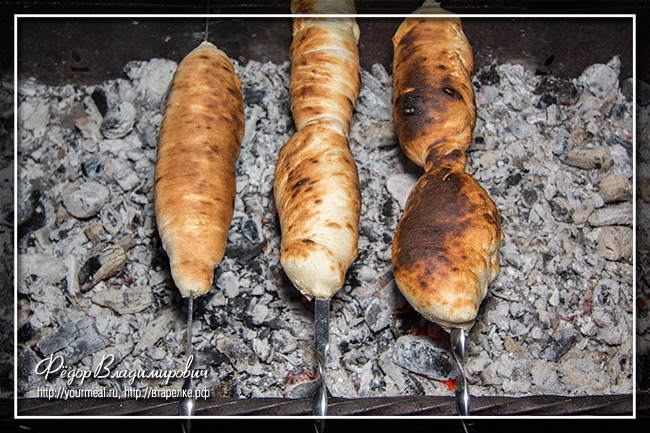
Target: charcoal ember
{"type": "Point", "coordinates": [561, 142]}
{"type": "Point", "coordinates": [399, 186]}
{"type": "Point", "coordinates": [283, 341]}
{"type": "Point", "coordinates": [489, 76]}
{"type": "Point", "coordinates": [92, 166]}
{"type": "Point", "coordinates": [252, 96]}
{"type": "Point", "coordinates": [581, 213]}
{"type": "Point", "coordinates": [613, 323]}
{"type": "Point", "coordinates": [99, 98]}
{"type": "Point", "coordinates": [125, 300]}
{"type": "Point", "coordinates": [111, 220]}
{"type": "Point", "coordinates": [104, 261]}
{"type": "Point", "coordinates": [228, 284]}
{"type": "Point", "coordinates": [577, 369]}
{"type": "Point", "coordinates": [34, 116]}
{"type": "Point", "coordinates": [301, 389]}
{"type": "Point", "coordinates": [627, 87]}
{"type": "Point", "coordinates": [118, 121]}
{"type": "Point", "coordinates": [488, 159]}
{"type": "Point", "coordinates": [615, 188]}
{"type": "Point", "coordinates": [370, 379]}
{"type": "Point", "coordinates": [86, 200]}
{"type": "Point", "coordinates": [614, 242]}
{"type": "Point", "coordinates": [420, 355]}
{"type": "Point", "coordinates": [377, 315]}
{"type": "Point", "coordinates": [124, 174]}
{"type": "Point", "coordinates": [513, 180]}
{"type": "Point", "coordinates": [555, 90]}
{"type": "Point", "coordinates": [613, 214]}
{"type": "Point", "coordinates": [47, 268]}
{"type": "Point", "coordinates": [244, 252]}
{"type": "Point", "coordinates": [205, 357]}
{"type": "Point", "coordinates": [560, 343]}
{"type": "Point", "coordinates": [529, 197]}
{"type": "Point", "coordinates": [522, 129]}
{"type": "Point", "coordinates": [153, 79]}
{"type": "Point", "coordinates": [31, 214]}
{"type": "Point", "coordinates": [251, 231]}
{"type": "Point", "coordinates": [27, 380]}
{"type": "Point", "coordinates": [554, 116]}
{"type": "Point", "coordinates": [259, 312]}
{"type": "Point", "coordinates": [237, 351]}
{"type": "Point", "coordinates": [157, 328]}
{"type": "Point", "coordinates": [599, 80]}
{"type": "Point", "coordinates": [73, 341]}
{"type": "Point", "coordinates": [112, 355]}
{"type": "Point", "coordinates": [598, 157]}
{"type": "Point", "coordinates": [29, 87]}
{"type": "Point", "coordinates": [96, 233]}
{"type": "Point", "coordinates": [389, 292]}
{"type": "Point", "coordinates": [562, 208]}
{"type": "Point", "coordinates": [375, 98]}
{"type": "Point", "coordinates": [89, 127]}
{"type": "Point", "coordinates": [367, 229]}
{"type": "Point", "coordinates": [263, 349]}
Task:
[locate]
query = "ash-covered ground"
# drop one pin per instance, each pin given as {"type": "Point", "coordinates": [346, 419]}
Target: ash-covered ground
{"type": "Point", "coordinates": [6, 237]}
{"type": "Point", "coordinates": [556, 156]}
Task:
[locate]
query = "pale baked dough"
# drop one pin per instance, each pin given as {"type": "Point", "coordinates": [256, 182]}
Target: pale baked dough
{"type": "Point", "coordinates": [194, 181]}
{"type": "Point", "coordinates": [316, 182]}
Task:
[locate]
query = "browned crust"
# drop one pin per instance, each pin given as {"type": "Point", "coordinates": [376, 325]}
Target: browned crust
{"type": "Point", "coordinates": [194, 183]}
{"type": "Point", "coordinates": [323, 7]}
{"type": "Point", "coordinates": [446, 245]}
{"type": "Point", "coordinates": [324, 55]}
{"type": "Point", "coordinates": [317, 196]}
{"type": "Point", "coordinates": [316, 182]}
{"type": "Point", "coordinates": [433, 97]}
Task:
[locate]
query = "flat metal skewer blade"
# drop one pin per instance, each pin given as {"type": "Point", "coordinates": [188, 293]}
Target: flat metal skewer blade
{"type": "Point", "coordinates": [188, 403]}
{"type": "Point", "coordinates": [321, 340]}
{"type": "Point", "coordinates": [457, 336]}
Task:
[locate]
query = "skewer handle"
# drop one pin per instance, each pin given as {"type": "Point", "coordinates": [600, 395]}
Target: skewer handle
{"type": "Point", "coordinates": [458, 336]}
{"type": "Point", "coordinates": [188, 404]}
{"type": "Point", "coordinates": [321, 340]}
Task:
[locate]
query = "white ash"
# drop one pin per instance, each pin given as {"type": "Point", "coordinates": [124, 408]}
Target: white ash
{"type": "Point", "coordinates": [7, 360]}
{"type": "Point", "coordinates": [554, 154]}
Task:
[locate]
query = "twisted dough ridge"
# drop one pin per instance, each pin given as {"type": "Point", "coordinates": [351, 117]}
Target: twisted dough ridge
{"type": "Point", "coordinates": [446, 243]}
{"type": "Point", "coordinates": [316, 182]}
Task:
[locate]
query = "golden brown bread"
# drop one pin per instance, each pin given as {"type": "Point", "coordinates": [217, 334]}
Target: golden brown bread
{"type": "Point", "coordinates": [194, 181]}
{"type": "Point", "coordinates": [317, 197]}
{"type": "Point", "coordinates": [324, 64]}
{"type": "Point", "coordinates": [447, 242]}
{"type": "Point", "coordinates": [433, 109]}
{"type": "Point", "coordinates": [446, 246]}
{"type": "Point", "coordinates": [316, 183]}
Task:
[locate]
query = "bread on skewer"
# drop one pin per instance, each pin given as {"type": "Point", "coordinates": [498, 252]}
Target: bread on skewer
{"type": "Point", "coordinates": [194, 182]}
{"type": "Point", "coordinates": [316, 182]}
{"type": "Point", "coordinates": [446, 243]}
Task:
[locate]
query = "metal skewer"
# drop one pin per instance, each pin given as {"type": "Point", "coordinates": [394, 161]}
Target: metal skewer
{"type": "Point", "coordinates": [457, 336]}
{"type": "Point", "coordinates": [321, 340]}
{"type": "Point", "coordinates": [188, 403]}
